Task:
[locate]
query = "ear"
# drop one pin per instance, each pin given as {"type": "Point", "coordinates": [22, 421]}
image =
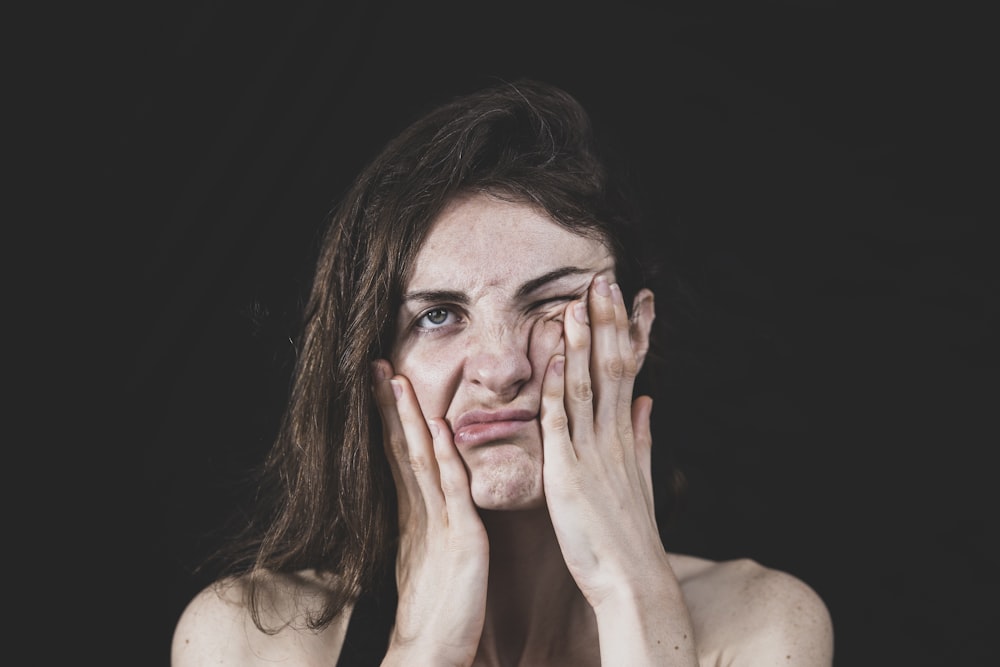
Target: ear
{"type": "Point", "coordinates": [641, 323]}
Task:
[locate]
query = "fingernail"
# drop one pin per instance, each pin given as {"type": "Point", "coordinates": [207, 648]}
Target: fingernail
{"type": "Point", "coordinates": [616, 292]}
{"type": "Point", "coordinates": [397, 388]}
{"type": "Point", "coordinates": [580, 312]}
{"type": "Point", "coordinates": [433, 428]}
{"type": "Point", "coordinates": [557, 365]}
{"type": "Point", "coordinates": [601, 285]}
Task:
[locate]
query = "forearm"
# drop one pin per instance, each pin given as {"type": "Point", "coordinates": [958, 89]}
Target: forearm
{"type": "Point", "coordinates": [405, 659]}
{"type": "Point", "coordinates": [410, 653]}
{"type": "Point", "coordinates": [640, 624]}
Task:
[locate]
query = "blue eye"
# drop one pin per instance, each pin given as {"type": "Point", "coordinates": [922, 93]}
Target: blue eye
{"type": "Point", "coordinates": [435, 318]}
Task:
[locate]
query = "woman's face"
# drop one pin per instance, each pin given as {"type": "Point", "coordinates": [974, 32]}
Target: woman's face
{"type": "Point", "coordinates": [480, 318]}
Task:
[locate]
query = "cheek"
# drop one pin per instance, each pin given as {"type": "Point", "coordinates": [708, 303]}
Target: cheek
{"type": "Point", "coordinates": [431, 376]}
{"type": "Point", "coordinates": [546, 339]}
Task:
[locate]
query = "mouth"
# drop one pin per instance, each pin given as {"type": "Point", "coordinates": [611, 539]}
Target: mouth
{"type": "Point", "coordinates": [482, 426]}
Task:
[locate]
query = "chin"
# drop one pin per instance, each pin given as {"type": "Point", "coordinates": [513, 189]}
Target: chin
{"type": "Point", "coordinates": [506, 478]}
{"type": "Point", "coordinates": [507, 501]}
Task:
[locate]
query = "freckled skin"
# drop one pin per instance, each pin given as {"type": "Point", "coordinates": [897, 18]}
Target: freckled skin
{"type": "Point", "coordinates": [506, 477]}
{"type": "Point", "coordinates": [495, 354]}
{"type": "Point", "coordinates": [487, 347]}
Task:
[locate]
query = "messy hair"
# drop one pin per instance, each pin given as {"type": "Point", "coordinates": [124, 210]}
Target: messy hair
{"type": "Point", "coordinates": [328, 497]}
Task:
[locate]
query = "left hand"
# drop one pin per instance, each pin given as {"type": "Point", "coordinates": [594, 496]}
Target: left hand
{"type": "Point", "coordinates": [597, 445]}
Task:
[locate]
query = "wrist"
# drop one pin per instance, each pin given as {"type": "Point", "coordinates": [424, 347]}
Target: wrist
{"type": "Point", "coordinates": [402, 653]}
{"type": "Point", "coordinates": [645, 621]}
{"type": "Point", "coordinates": [637, 580]}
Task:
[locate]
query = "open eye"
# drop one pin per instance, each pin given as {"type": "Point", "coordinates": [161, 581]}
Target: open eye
{"type": "Point", "coordinates": [435, 318]}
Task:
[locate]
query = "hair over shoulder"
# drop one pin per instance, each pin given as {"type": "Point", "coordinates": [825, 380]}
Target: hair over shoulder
{"type": "Point", "coordinates": [327, 500]}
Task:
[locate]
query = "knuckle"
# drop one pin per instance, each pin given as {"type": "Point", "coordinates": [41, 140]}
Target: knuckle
{"type": "Point", "coordinates": [577, 342]}
{"type": "Point", "coordinates": [418, 463]}
{"type": "Point", "coordinates": [449, 486]}
{"type": "Point", "coordinates": [583, 391]}
{"type": "Point", "coordinates": [397, 444]}
{"type": "Point", "coordinates": [557, 423]}
{"type": "Point", "coordinates": [603, 315]}
{"type": "Point", "coordinates": [615, 368]}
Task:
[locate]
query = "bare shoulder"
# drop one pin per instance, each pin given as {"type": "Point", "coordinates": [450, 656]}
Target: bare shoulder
{"type": "Point", "coordinates": [216, 626]}
{"type": "Point", "coordinates": [747, 614]}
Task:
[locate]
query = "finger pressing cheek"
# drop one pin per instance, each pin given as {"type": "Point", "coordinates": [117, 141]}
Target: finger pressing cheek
{"type": "Point", "coordinates": [546, 339]}
{"type": "Point", "coordinates": [577, 327]}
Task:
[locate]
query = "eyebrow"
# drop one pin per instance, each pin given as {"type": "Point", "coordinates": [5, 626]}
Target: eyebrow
{"type": "Point", "coordinates": [536, 283]}
{"type": "Point", "coordinates": [524, 290]}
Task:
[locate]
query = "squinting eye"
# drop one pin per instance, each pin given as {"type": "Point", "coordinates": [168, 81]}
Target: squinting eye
{"type": "Point", "coordinates": [553, 308]}
{"type": "Point", "coordinates": [434, 318]}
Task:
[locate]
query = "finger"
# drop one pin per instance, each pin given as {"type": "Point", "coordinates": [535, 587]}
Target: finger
{"type": "Point", "coordinates": [575, 382]}
{"type": "Point", "coordinates": [640, 324]}
{"type": "Point", "coordinates": [546, 337]}
{"type": "Point", "coordinates": [642, 409]}
{"type": "Point", "coordinates": [630, 366]}
{"type": "Point", "coordinates": [393, 436]}
{"type": "Point", "coordinates": [558, 451]}
{"type": "Point", "coordinates": [606, 365]}
{"type": "Point", "coordinates": [420, 459]}
{"type": "Point", "coordinates": [454, 477]}
{"type": "Point", "coordinates": [557, 442]}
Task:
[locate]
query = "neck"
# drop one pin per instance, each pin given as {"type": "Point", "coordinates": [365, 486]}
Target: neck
{"type": "Point", "coordinates": [533, 607]}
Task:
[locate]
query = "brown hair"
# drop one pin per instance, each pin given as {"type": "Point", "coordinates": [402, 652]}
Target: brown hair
{"type": "Point", "coordinates": [328, 497]}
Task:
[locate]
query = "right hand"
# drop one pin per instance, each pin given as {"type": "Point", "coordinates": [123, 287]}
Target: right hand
{"type": "Point", "coordinates": [443, 560]}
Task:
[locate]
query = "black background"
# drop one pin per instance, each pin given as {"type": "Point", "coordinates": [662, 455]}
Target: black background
{"type": "Point", "coordinates": [825, 175]}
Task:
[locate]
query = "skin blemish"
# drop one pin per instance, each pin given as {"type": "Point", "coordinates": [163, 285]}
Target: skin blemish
{"type": "Point", "coordinates": [483, 312]}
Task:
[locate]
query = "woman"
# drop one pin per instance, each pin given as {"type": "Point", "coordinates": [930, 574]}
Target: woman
{"type": "Point", "coordinates": [466, 423]}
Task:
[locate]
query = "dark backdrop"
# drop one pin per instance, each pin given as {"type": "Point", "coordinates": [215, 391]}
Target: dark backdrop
{"type": "Point", "coordinates": [822, 180]}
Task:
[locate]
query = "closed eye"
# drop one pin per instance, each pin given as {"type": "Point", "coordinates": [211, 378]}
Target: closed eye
{"type": "Point", "coordinates": [562, 299]}
{"type": "Point", "coordinates": [553, 307]}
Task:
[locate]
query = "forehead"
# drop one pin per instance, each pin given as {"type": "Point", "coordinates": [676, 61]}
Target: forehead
{"type": "Point", "coordinates": [485, 241]}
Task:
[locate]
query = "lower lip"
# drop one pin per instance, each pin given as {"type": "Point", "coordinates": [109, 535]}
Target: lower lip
{"type": "Point", "coordinates": [483, 432]}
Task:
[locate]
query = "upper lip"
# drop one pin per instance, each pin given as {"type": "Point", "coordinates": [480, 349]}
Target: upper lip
{"type": "Point", "coordinates": [484, 416]}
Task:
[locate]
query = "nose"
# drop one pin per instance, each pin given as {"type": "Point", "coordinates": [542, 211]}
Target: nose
{"type": "Point", "coordinates": [498, 359]}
